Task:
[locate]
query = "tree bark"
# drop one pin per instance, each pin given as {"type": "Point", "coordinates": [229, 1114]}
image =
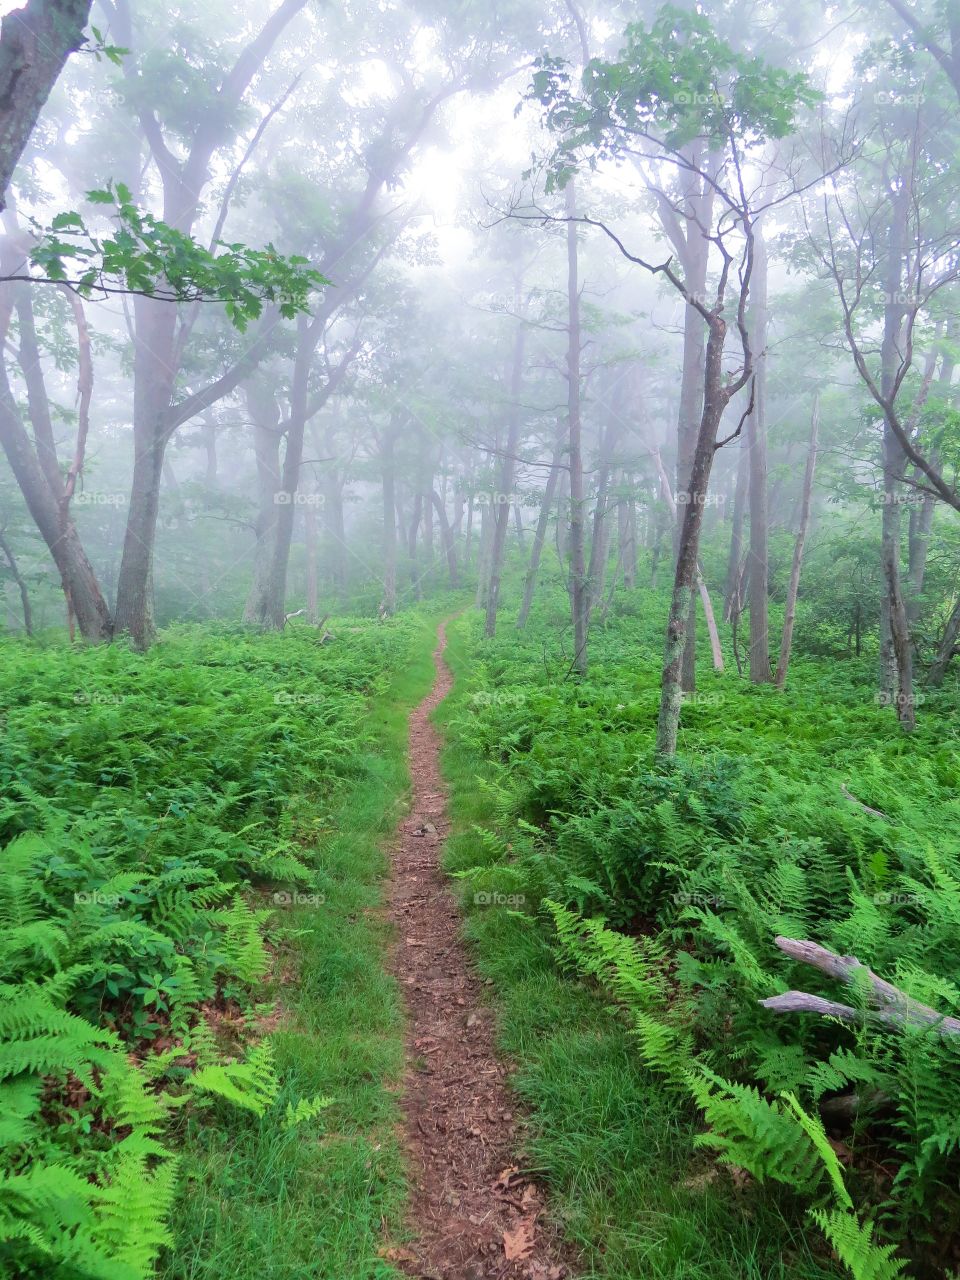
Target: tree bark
{"type": "Point", "coordinates": [579, 587]}
{"type": "Point", "coordinates": [948, 648]}
{"type": "Point", "coordinates": [734, 562]}
{"type": "Point", "coordinates": [896, 677]}
{"type": "Point", "coordinates": [596, 570]}
{"type": "Point", "coordinates": [265, 415]}
{"type": "Point", "coordinates": [446, 533]}
{"type": "Point", "coordinates": [715, 400]}
{"type": "Point", "coordinates": [757, 556]}
{"type": "Point", "coordinates": [35, 42]}
{"type": "Point", "coordinates": [790, 611]}
{"type": "Point", "coordinates": [388, 464]}
{"type": "Point", "coordinates": [18, 579]}
{"type": "Point", "coordinates": [540, 536]}
{"type": "Point", "coordinates": [79, 581]}
{"type": "Point", "coordinates": [505, 480]}
{"type": "Point", "coordinates": [310, 541]}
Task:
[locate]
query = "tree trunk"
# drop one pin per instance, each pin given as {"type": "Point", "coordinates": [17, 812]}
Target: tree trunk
{"type": "Point", "coordinates": [21, 585]}
{"type": "Point", "coordinates": [702, 591]}
{"type": "Point", "coordinates": [265, 414]}
{"type": "Point", "coordinates": [596, 570]}
{"type": "Point", "coordinates": [790, 611]}
{"type": "Point", "coordinates": [57, 529]}
{"type": "Point", "coordinates": [734, 566]}
{"type": "Point", "coordinates": [154, 372]}
{"type": "Point", "coordinates": [698, 203]}
{"type": "Point", "coordinates": [518, 526]}
{"type": "Point", "coordinates": [896, 679]}
{"type": "Point", "coordinates": [501, 513]}
{"type": "Point", "coordinates": [35, 42]}
{"type": "Point", "coordinates": [415, 521]}
{"type": "Point", "coordinates": [486, 528]}
{"type": "Point", "coordinates": [310, 541]}
{"type": "Point", "coordinates": [446, 533]}
{"type": "Point", "coordinates": [757, 556]}
{"type": "Point", "coordinates": [389, 521]}
{"type": "Point", "coordinates": [714, 402]}
{"type": "Point", "coordinates": [948, 648]}
{"type": "Point", "coordinates": [334, 529]}
{"type": "Point", "coordinates": [579, 587]}
{"type": "Point", "coordinates": [540, 536]}
{"type": "Point", "coordinates": [921, 518]}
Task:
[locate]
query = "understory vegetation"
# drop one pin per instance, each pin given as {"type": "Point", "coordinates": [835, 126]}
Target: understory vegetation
{"type": "Point", "coordinates": [624, 335]}
{"type": "Point", "coordinates": [191, 986]}
{"type": "Point", "coordinates": [802, 814]}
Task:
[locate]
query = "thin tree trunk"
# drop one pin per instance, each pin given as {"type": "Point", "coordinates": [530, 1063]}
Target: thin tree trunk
{"type": "Point", "coordinates": [486, 528]}
{"type": "Point", "coordinates": [518, 525]}
{"type": "Point", "coordinates": [18, 578]}
{"type": "Point", "coordinates": [579, 587]}
{"type": "Point", "coordinates": [310, 540]}
{"type": "Point", "coordinates": [468, 548]}
{"type": "Point", "coordinates": [736, 530]}
{"type": "Point", "coordinates": [947, 649]}
{"type": "Point", "coordinates": [896, 655]}
{"type": "Point", "coordinates": [790, 611]}
{"type": "Point", "coordinates": [540, 536]}
{"type": "Point", "coordinates": [702, 591]}
{"type": "Point", "coordinates": [265, 414]}
{"type": "Point", "coordinates": [715, 400]}
{"type": "Point", "coordinates": [415, 521]}
{"type": "Point", "coordinates": [389, 521]}
{"type": "Point", "coordinates": [154, 373]}
{"type": "Point", "coordinates": [501, 514]}
{"type": "Point", "coordinates": [596, 570]}
{"type": "Point", "coordinates": [79, 581]}
{"type": "Point", "coordinates": [757, 556]}
{"type": "Point", "coordinates": [446, 533]}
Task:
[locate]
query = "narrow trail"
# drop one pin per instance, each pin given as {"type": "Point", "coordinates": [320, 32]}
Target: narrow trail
{"type": "Point", "coordinates": [475, 1214]}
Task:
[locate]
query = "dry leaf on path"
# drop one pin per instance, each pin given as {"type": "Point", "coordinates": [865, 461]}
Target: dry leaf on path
{"type": "Point", "coordinates": [518, 1243]}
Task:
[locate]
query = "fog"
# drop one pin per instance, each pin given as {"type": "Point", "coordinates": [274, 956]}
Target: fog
{"type": "Point", "coordinates": [482, 221]}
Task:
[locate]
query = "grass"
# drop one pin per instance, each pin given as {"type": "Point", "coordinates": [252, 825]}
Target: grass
{"type": "Point", "coordinates": [260, 1201]}
{"type": "Point", "coordinates": [633, 1193]}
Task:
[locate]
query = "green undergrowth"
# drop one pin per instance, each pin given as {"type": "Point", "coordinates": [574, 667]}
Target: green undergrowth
{"type": "Point", "coordinates": [806, 814]}
{"type": "Point", "coordinates": [197, 1037]}
{"type": "Point", "coordinates": [634, 1193]}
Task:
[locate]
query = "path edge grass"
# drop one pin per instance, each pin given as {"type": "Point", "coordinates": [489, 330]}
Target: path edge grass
{"type": "Point", "coordinates": [628, 1189]}
{"type": "Point", "coordinates": [321, 1201]}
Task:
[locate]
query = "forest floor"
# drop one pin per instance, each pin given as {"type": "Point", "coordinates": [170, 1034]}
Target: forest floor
{"type": "Point", "coordinates": [475, 1214]}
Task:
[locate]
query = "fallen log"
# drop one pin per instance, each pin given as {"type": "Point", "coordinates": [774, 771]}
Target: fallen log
{"type": "Point", "coordinates": [891, 1005]}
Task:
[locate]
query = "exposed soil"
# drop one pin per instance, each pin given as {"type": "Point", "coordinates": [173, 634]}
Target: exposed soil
{"type": "Point", "coordinates": [476, 1215]}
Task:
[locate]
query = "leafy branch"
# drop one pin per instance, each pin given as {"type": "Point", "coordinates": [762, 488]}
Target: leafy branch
{"type": "Point", "coordinates": [146, 256]}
